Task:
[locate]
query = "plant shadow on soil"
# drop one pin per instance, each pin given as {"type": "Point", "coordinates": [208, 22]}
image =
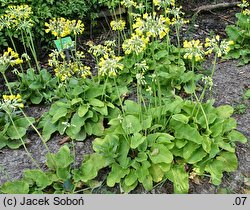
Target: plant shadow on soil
{"type": "Point", "coordinates": [230, 82]}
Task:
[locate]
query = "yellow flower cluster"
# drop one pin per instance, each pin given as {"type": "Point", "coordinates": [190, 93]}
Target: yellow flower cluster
{"type": "Point", "coordinates": [110, 66]}
{"type": "Point", "coordinates": [17, 17]}
{"type": "Point", "coordinates": [217, 46]}
{"type": "Point", "coordinates": [61, 27]}
{"type": "Point", "coordinates": [65, 70]}
{"type": "Point", "coordinates": [246, 12]}
{"type": "Point", "coordinates": [193, 50]}
{"type": "Point", "coordinates": [163, 3]}
{"type": "Point", "coordinates": [9, 57]}
{"type": "Point", "coordinates": [106, 50]}
{"type": "Point", "coordinates": [117, 25]}
{"type": "Point", "coordinates": [136, 44]}
{"type": "Point", "coordinates": [13, 101]}
{"type": "Point", "coordinates": [243, 4]}
{"type": "Point", "coordinates": [152, 25]}
{"type": "Point", "coordinates": [129, 3]}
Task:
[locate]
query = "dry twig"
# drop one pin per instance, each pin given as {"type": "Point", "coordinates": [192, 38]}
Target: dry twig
{"type": "Point", "coordinates": [215, 6]}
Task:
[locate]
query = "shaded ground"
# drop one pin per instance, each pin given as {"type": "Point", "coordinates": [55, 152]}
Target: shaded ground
{"type": "Point", "coordinates": [230, 81]}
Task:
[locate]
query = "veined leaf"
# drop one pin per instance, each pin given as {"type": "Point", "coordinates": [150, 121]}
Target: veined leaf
{"type": "Point", "coordinates": [236, 136]}
{"type": "Point", "coordinates": [15, 187]}
{"type": "Point", "coordinates": [160, 154]}
{"type": "Point", "coordinates": [116, 174]}
{"type": "Point", "coordinates": [181, 118]}
{"type": "Point", "coordinates": [179, 177]}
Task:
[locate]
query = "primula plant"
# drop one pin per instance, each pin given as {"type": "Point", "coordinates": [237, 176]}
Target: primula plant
{"type": "Point", "coordinates": [240, 34]}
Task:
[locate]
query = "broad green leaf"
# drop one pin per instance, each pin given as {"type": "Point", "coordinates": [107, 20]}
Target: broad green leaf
{"type": "Point", "coordinates": [247, 94]}
{"type": "Point", "coordinates": [142, 156]}
{"type": "Point", "coordinates": [225, 111]}
{"type": "Point", "coordinates": [229, 124]}
{"type": "Point", "coordinates": [62, 159]}
{"type": "Point", "coordinates": [206, 144]}
{"type": "Point", "coordinates": [116, 174]}
{"type": "Point", "coordinates": [189, 149]}
{"type": "Point", "coordinates": [181, 118]}
{"type": "Point", "coordinates": [94, 92]}
{"type": "Point", "coordinates": [90, 167]}
{"type": "Point", "coordinates": [82, 110]}
{"type": "Point", "coordinates": [215, 168]}
{"type": "Point", "coordinates": [36, 98]}
{"type": "Point", "coordinates": [15, 132]}
{"type": "Point", "coordinates": [14, 144]}
{"type": "Point", "coordinates": [143, 170]}
{"type": "Point", "coordinates": [76, 123]}
{"type": "Point", "coordinates": [161, 54]}
{"type": "Point", "coordinates": [136, 140]}
{"type": "Point", "coordinates": [61, 112]}
{"type": "Point", "coordinates": [148, 183]}
{"type": "Point", "coordinates": [214, 150]}
{"type": "Point", "coordinates": [128, 188]}
{"type": "Point", "coordinates": [123, 151]}
{"type": "Point", "coordinates": [63, 173]}
{"type": "Point", "coordinates": [131, 124]}
{"type": "Point", "coordinates": [132, 107]}
{"type": "Point", "coordinates": [146, 123]}
{"type": "Point", "coordinates": [102, 110]}
{"type": "Point", "coordinates": [106, 147]}
{"type": "Point", "coordinates": [236, 136]}
{"type": "Point", "coordinates": [226, 146]}
{"type": "Point", "coordinates": [229, 161]}
{"type": "Point", "coordinates": [226, 161]}
{"type": "Point", "coordinates": [131, 178]}
{"type": "Point", "coordinates": [180, 143]}
{"type": "Point", "coordinates": [23, 122]}
{"type": "Point", "coordinates": [164, 138]}
{"type": "Point", "coordinates": [48, 127]}
{"type": "Point", "coordinates": [216, 129]}
{"type": "Point", "coordinates": [160, 154]}
{"type": "Point", "coordinates": [211, 117]}
{"type": "Point", "coordinates": [15, 187]}
{"type": "Point", "coordinates": [76, 101]}
{"type": "Point", "coordinates": [183, 131]}
{"type": "Point", "coordinates": [3, 141]}
{"type": "Point", "coordinates": [96, 102]}
{"type": "Point", "coordinates": [97, 128]}
{"type": "Point", "coordinates": [179, 177]}
{"type": "Point", "coordinates": [197, 156]}
{"type": "Point", "coordinates": [233, 32]}
{"type": "Point", "coordinates": [39, 177]}
{"type": "Point", "coordinates": [156, 173]}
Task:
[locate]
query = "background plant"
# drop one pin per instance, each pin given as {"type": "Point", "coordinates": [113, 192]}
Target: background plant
{"type": "Point", "coordinates": [240, 34]}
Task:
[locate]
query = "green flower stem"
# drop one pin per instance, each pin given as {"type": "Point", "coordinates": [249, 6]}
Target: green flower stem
{"type": "Point", "coordinates": [119, 43]}
{"type": "Point", "coordinates": [139, 100]}
{"type": "Point", "coordinates": [198, 101]}
{"type": "Point", "coordinates": [206, 85]}
{"type": "Point", "coordinates": [23, 143]}
{"type": "Point", "coordinates": [212, 74]}
{"type": "Point", "coordinates": [40, 136]}
{"type": "Point", "coordinates": [33, 50]}
{"type": "Point", "coordinates": [24, 45]}
{"type": "Point", "coordinates": [75, 43]}
{"type": "Point", "coordinates": [122, 108]}
{"type": "Point", "coordinates": [205, 116]}
{"type": "Point", "coordinates": [14, 46]}
{"type": "Point", "coordinates": [104, 88]}
{"type": "Point", "coordinates": [7, 83]}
